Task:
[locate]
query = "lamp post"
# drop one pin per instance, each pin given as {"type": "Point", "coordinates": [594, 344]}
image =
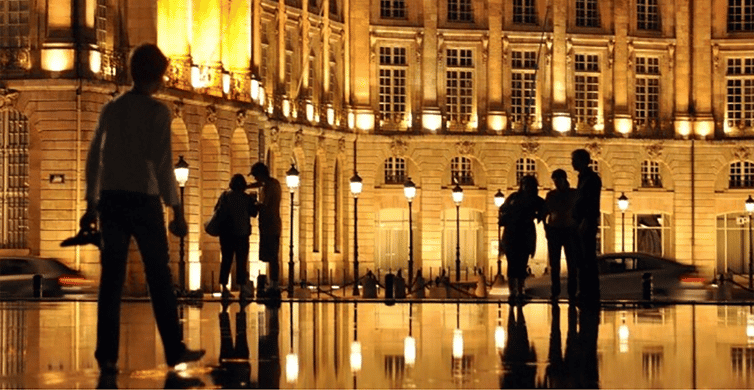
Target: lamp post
{"type": "Point", "coordinates": [499, 200]}
{"type": "Point", "coordinates": [623, 206]}
{"type": "Point", "coordinates": [409, 189]}
{"type": "Point", "coordinates": [457, 199]}
{"type": "Point", "coordinates": [750, 210]}
{"type": "Point", "coordinates": [292, 180]}
{"type": "Point", "coordinates": [356, 186]}
{"type": "Point", "coordinates": [181, 171]}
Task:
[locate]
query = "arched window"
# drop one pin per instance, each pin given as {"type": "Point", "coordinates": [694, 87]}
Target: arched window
{"type": "Point", "coordinates": [14, 180]}
{"type": "Point", "coordinates": [525, 167]}
{"type": "Point", "coordinates": [650, 174]}
{"type": "Point", "coordinates": [741, 175]}
{"type": "Point", "coordinates": [395, 170]}
{"type": "Point", "coordinates": [460, 171]}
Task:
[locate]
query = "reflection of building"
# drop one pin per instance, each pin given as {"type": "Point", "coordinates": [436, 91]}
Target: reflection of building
{"type": "Point", "coordinates": [481, 90]}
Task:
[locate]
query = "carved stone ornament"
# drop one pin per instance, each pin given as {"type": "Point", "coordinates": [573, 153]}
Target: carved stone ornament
{"type": "Point", "coordinates": [465, 148]}
{"type": "Point", "coordinates": [211, 114]}
{"type": "Point", "coordinates": [7, 98]}
{"type": "Point", "coordinates": [741, 153]}
{"type": "Point", "coordinates": [398, 147]}
{"type": "Point", "coordinates": [716, 55]}
{"type": "Point", "coordinates": [594, 149]}
{"type": "Point", "coordinates": [610, 53]}
{"type": "Point", "coordinates": [274, 135]}
{"type": "Point", "coordinates": [671, 55]}
{"type": "Point", "coordinates": [241, 117]}
{"type": "Point", "coordinates": [529, 147]}
{"type": "Point", "coordinates": [630, 54]}
{"type": "Point", "coordinates": [342, 145]}
{"type": "Point", "coordinates": [298, 139]}
{"type": "Point", "coordinates": [178, 107]}
{"type": "Point", "coordinates": [654, 151]}
{"type": "Point", "coordinates": [485, 47]}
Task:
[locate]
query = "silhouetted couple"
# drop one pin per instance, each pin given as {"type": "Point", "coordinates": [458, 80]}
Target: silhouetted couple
{"type": "Point", "coordinates": [571, 220]}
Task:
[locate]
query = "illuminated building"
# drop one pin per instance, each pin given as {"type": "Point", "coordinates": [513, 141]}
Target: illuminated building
{"type": "Point", "coordinates": [485, 91]}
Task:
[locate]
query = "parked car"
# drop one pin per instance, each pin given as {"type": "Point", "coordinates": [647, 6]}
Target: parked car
{"type": "Point", "coordinates": [622, 277]}
{"type": "Point", "coordinates": [17, 274]}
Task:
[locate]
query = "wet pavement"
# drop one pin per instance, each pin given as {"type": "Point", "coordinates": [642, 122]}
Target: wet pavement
{"type": "Point", "coordinates": [378, 344]}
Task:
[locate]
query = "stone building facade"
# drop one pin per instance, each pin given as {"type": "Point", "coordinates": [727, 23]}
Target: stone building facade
{"type": "Point", "coordinates": [481, 92]}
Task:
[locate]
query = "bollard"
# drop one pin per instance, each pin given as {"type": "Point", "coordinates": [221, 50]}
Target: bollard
{"type": "Point", "coordinates": [36, 283]}
{"type": "Point", "coordinates": [261, 284]}
{"type": "Point", "coordinates": [389, 283]}
{"type": "Point", "coordinates": [646, 286]}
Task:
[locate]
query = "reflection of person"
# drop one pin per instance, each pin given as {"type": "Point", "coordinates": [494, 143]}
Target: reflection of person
{"type": "Point", "coordinates": [128, 170]}
{"type": "Point", "coordinates": [270, 224]}
{"type": "Point", "coordinates": [560, 232]}
{"type": "Point", "coordinates": [234, 237]}
{"type": "Point", "coordinates": [519, 241]}
{"type": "Point", "coordinates": [555, 371]}
{"type": "Point", "coordinates": [581, 349]}
{"type": "Point", "coordinates": [234, 371]}
{"type": "Point", "coordinates": [519, 356]}
{"type": "Point", "coordinates": [586, 212]}
{"type": "Point", "coordinates": [269, 351]}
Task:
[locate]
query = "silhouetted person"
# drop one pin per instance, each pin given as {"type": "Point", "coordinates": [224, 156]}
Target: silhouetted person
{"type": "Point", "coordinates": [581, 348]}
{"type": "Point", "coordinates": [519, 356]}
{"type": "Point", "coordinates": [234, 236]}
{"type": "Point", "coordinates": [269, 351]}
{"type": "Point", "coordinates": [519, 241]}
{"type": "Point", "coordinates": [586, 213]}
{"type": "Point", "coordinates": [128, 169]}
{"type": "Point", "coordinates": [270, 225]}
{"type": "Point", "coordinates": [560, 229]}
{"type": "Point", "coordinates": [234, 371]}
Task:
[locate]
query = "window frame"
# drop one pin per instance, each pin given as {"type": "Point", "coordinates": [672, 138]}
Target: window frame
{"type": "Point", "coordinates": [460, 88]}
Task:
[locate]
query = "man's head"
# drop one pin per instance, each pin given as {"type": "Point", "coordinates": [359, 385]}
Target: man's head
{"type": "Point", "coordinates": [560, 178]}
{"type": "Point", "coordinates": [529, 184]}
{"type": "Point", "coordinates": [238, 183]}
{"type": "Point", "coordinates": [260, 171]}
{"type": "Point", "coordinates": [147, 66]}
{"type": "Point", "coordinates": [580, 159]}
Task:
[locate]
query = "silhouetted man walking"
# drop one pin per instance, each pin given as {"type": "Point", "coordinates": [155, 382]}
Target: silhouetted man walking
{"type": "Point", "coordinates": [586, 212]}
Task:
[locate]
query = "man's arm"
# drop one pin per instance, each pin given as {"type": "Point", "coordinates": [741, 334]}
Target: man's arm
{"type": "Point", "coordinates": [92, 174]}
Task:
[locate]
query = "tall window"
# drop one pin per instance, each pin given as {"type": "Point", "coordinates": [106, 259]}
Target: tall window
{"type": "Point", "coordinates": [652, 233]}
{"type": "Point", "coordinates": [742, 362]}
{"type": "Point", "coordinates": [741, 175]}
{"type": "Point", "coordinates": [525, 167]}
{"type": "Point", "coordinates": [740, 15]}
{"type": "Point", "coordinates": [395, 170]}
{"type": "Point", "coordinates": [310, 73]}
{"type": "Point", "coordinates": [647, 103]}
{"type": "Point", "coordinates": [14, 23]}
{"type": "Point", "coordinates": [263, 62]}
{"type": "Point", "coordinates": [393, 68]}
{"type": "Point", "coordinates": [587, 14]}
{"type": "Point", "coordinates": [393, 9]}
{"type": "Point", "coordinates": [289, 64]}
{"type": "Point", "coordinates": [332, 82]}
{"type": "Point", "coordinates": [101, 23]}
{"type": "Point", "coordinates": [595, 165]}
{"type": "Point", "coordinates": [740, 93]}
{"type": "Point", "coordinates": [587, 91]}
{"type": "Point", "coordinates": [14, 187]}
{"type": "Point", "coordinates": [523, 86]}
{"type": "Point", "coordinates": [337, 209]}
{"type": "Point", "coordinates": [459, 78]}
{"type": "Point", "coordinates": [647, 15]}
{"type": "Point", "coordinates": [460, 11]}
{"type": "Point", "coordinates": [524, 12]}
{"type": "Point", "coordinates": [460, 171]}
{"type": "Point", "coordinates": [650, 174]}
{"type": "Point", "coordinates": [316, 210]}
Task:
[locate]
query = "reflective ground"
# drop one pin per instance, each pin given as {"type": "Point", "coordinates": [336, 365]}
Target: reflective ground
{"type": "Point", "coordinates": [404, 345]}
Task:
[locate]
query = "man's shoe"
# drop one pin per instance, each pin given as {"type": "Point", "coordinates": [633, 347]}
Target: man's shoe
{"type": "Point", "coordinates": [187, 356]}
{"type": "Point", "coordinates": [225, 294]}
{"type": "Point", "coordinates": [108, 368]}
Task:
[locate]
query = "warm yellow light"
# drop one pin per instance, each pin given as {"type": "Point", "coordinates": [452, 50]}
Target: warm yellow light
{"type": "Point", "coordinates": [195, 275]}
{"type": "Point", "coordinates": [355, 356]}
{"type": "Point", "coordinates": [703, 128]}
{"type": "Point", "coordinates": [351, 120]}
{"type": "Point", "coordinates": [409, 350]}
{"type": "Point", "coordinates": [226, 82]}
{"type": "Point", "coordinates": [330, 116]}
{"type": "Point", "coordinates": [254, 90]}
{"type": "Point", "coordinates": [57, 60]}
{"type": "Point", "coordinates": [683, 127]}
{"type": "Point", "coordinates": [95, 61]}
{"type": "Point", "coordinates": [309, 111]}
{"type": "Point", "coordinates": [291, 368]}
{"type": "Point", "coordinates": [286, 107]}
{"type": "Point", "coordinates": [457, 343]}
{"type": "Point", "coordinates": [623, 124]}
{"type": "Point", "coordinates": [497, 121]}
{"type": "Point", "coordinates": [431, 121]}
{"type": "Point", "coordinates": [365, 121]}
{"type": "Point", "coordinates": [561, 122]}
{"type": "Point", "coordinates": [499, 338]}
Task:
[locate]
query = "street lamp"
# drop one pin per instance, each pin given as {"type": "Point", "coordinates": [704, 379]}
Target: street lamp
{"type": "Point", "coordinates": [457, 199]}
{"type": "Point", "coordinates": [750, 210]}
{"type": "Point", "coordinates": [292, 180]}
{"type": "Point", "coordinates": [409, 189]}
{"type": "Point", "coordinates": [356, 186]}
{"type": "Point", "coordinates": [181, 171]}
{"type": "Point", "coordinates": [623, 206]}
{"type": "Point", "coordinates": [499, 200]}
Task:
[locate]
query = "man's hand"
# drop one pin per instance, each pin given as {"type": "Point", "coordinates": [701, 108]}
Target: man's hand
{"type": "Point", "coordinates": [88, 221]}
{"type": "Point", "coordinates": [178, 225]}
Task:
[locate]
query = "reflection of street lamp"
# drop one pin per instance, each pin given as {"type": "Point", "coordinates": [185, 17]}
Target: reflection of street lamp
{"type": "Point", "coordinates": [291, 360]}
{"type": "Point", "coordinates": [623, 206]}
{"type": "Point", "coordinates": [623, 334]}
{"type": "Point", "coordinates": [499, 200]}
{"type": "Point", "coordinates": [356, 186]}
{"type": "Point", "coordinates": [181, 171]}
{"type": "Point", "coordinates": [499, 330]}
{"type": "Point", "coordinates": [292, 180]}
{"type": "Point", "coordinates": [750, 210]}
{"type": "Point", "coordinates": [355, 357]}
{"type": "Point", "coordinates": [458, 335]}
{"type": "Point", "coordinates": [750, 326]}
{"type": "Point", "coordinates": [409, 344]}
{"type": "Point", "coordinates": [457, 199]}
{"type": "Point", "coordinates": [409, 189]}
